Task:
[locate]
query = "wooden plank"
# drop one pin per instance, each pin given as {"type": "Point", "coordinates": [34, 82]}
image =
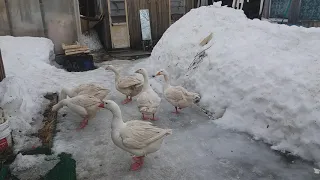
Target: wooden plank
{"type": "Point", "coordinates": [188, 5]}
{"type": "Point", "coordinates": [154, 19]}
{"type": "Point", "coordinates": [134, 27]}
{"type": "Point", "coordinates": [65, 47]}
{"type": "Point", "coordinates": [9, 17]}
{"type": "Point", "coordinates": [169, 2]}
{"type": "Point", "coordinates": [77, 52]}
{"type": "Point", "coordinates": [127, 24]}
{"type": "Point", "coordinates": [5, 29]}
{"type": "Point", "coordinates": [106, 33]}
{"type": "Point", "coordinates": [45, 27]}
{"type": "Point", "coordinates": [77, 49]}
{"type": "Point", "coordinates": [2, 71]}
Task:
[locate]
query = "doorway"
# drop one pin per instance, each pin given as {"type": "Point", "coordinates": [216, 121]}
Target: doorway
{"type": "Point", "coordinates": [118, 21]}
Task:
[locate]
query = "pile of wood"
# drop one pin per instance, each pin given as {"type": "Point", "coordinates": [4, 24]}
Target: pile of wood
{"type": "Point", "coordinates": [75, 49]}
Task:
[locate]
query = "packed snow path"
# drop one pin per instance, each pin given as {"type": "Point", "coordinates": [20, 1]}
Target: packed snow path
{"type": "Point", "coordinates": [197, 149]}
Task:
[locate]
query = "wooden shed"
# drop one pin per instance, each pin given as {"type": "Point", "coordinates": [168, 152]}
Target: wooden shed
{"type": "Point", "coordinates": [57, 20]}
{"type": "Point", "coordinates": [124, 20]}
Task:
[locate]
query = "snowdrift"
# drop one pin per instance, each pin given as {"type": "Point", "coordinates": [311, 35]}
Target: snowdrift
{"type": "Point", "coordinates": [30, 75]}
{"type": "Point", "coordinates": [255, 77]}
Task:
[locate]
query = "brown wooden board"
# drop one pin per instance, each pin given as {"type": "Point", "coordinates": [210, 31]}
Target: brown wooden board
{"type": "Point", "coordinates": [77, 49]}
{"type": "Point", "coordinates": [159, 19]}
{"type": "Point", "coordinates": [106, 28]}
{"type": "Point", "coordinates": [4, 21]}
{"type": "Point", "coordinates": [189, 4]}
{"type": "Point", "coordinates": [77, 52]}
{"type": "Point", "coordinates": [72, 46]}
{"type": "Point", "coordinates": [2, 71]}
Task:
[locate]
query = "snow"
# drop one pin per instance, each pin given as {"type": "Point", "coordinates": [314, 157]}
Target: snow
{"type": "Point", "coordinates": [30, 167]}
{"type": "Point", "coordinates": [254, 77]}
{"type": "Point", "coordinates": [91, 40]}
{"type": "Point", "coordinates": [198, 149]}
{"type": "Point", "coordinates": [30, 75]}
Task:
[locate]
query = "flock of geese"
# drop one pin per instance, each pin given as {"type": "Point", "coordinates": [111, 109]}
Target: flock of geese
{"type": "Point", "coordinates": [137, 137]}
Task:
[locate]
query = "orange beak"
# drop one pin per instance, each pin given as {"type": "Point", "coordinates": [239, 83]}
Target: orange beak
{"type": "Point", "coordinates": [158, 74]}
{"type": "Point", "coordinates": [101, 105]}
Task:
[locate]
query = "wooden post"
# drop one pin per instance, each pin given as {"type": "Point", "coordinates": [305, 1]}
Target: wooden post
{"type": "Point", "coordinates": [2, 72]}
{"type": "Point", "coordinates": [45, 28]}
{"type": "Point", "coordinates": [9, 16]}
{"type": "Point", "coordinates": [266, 9]}
{"type": "Point", "coordinates": [294, 12]}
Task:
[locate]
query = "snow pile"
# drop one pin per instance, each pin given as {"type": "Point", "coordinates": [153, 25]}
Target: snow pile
{"type": "Point", "coordinates": [255, 76]}
{"type": "Point", "coordinates": [30, 167]}
{"type": "Point", "coordinates": [30, 76]}
{"type": "Point", "coordinates": [91, 40]}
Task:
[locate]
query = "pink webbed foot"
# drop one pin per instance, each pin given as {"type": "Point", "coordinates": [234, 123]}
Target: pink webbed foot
{"type": "Point", "coordinates": [127, 100]}
{"type": "Point", "coordinates": [137, 164]}
{"type": "Point", "coordinates": [144, 117]}
{"type": "Point", "coordinates": [83, 124]}
{"type": "Point", "coordinates": [154, 118]}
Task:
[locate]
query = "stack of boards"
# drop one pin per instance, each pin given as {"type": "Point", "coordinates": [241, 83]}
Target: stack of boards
{"type": "Point", "coordinates": [75, 49]}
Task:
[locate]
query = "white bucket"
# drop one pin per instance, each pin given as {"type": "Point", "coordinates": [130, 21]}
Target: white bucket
{"type": "Point", "coordinates": [5, 136]}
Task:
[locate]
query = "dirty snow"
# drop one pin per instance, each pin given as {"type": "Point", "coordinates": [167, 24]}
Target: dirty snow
{"type": "Point", "coordinates": [30, 75]}
{"type": "Point", "coordinates": [30, 167]}
{"type": "Point", "coordinates": [91, 40]}
{"type": "Point", "coordinates": [252, 76]}
{"type": "Point", "coordinates": [255, 77]}
{"type": "Point", "coordinates": [198, 149]}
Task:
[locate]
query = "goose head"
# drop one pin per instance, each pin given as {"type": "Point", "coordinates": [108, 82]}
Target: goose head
{"type": "Point", "coordinates": [142, 71]}
{"type": "Point", "coordinates": [108, 104]}
{"type": "Point", "coordinates": [162, 72]}
{"type": "Point", "coordinates": [111, 106]}
{"type": "Point", "coordinates": [110, 67]}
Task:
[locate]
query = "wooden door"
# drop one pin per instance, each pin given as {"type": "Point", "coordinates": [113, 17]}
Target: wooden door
{"type": "Point", "coordinates": [118, 24]}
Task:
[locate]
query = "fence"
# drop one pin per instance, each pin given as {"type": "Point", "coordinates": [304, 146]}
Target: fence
{"type": "Point", "coordinates": [57, 20]}
{"type": "Point", "coordinates": [298, 12]}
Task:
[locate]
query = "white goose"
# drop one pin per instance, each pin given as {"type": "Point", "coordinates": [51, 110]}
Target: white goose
{"type": "Point", "coordinates": [136, 137]}
{"type": "Point", "coordinates": [127, 85]}
{"type": "Point", "coordinates": [84, 105]}
{"type": "Point", "coordinates": [89, 89]}
{"type": "Point", "coordinates": [148, 100]}
{"type": "Point", "coordinates": [178, 96]}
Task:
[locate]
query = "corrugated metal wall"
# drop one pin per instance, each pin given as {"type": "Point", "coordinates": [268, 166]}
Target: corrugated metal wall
{"type": "Point", "coordinates": [57, 20]}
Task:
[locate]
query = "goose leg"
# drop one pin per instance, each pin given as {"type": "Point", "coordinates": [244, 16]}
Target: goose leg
{"type": "Point", "coordinates": [176, 112]}
{"type": "Point", "coordinates": [138, 163]}
{"type": "Point", "coordinates": [144, 117]}
{"type": "Point", "coordinates": [84, 123]}
{"type": "Point", "coordinates": [82, 112]}
{"type": "Point", "coordinates": [154, 118]}
{"type": "Point", "coordinates": [127, 100]}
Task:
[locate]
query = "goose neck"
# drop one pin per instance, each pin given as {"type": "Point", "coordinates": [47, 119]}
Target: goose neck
{"type": "Point", "coordinates": [117, 121]}
{"type": "Point", "coordinates": [146, 81]}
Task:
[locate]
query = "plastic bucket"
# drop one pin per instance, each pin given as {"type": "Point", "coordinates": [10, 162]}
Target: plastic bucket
{"type": "Point", "coordinates": [5, 136]}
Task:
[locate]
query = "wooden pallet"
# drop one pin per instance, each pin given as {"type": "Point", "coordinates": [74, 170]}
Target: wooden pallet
{"type": "Point", "coordinates": [75, 49]}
